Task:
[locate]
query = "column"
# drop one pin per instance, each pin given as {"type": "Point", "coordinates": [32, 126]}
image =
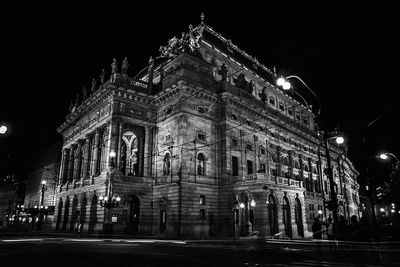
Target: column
{"type": "Point", "coordinates": [64, 157]}
{"type": "Point", "coordinates": [94, 170]}
{"type": "Point", "coordinates": [71, 163]}
{"type": "Point", "coordinates": [77, 162]}
{"type": "Point", "coordinates": [118, 153]}
{"type": "Point", "coordinates": [147, 151]}
{"type": "Point", "coordinates": [86, 153]}
{"type": "Point", "coordinates": [112, 144]}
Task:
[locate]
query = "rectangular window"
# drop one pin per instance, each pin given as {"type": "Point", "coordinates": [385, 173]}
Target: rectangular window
{"type": "Point", "coordinates": [273, 172]}
{"type": "Point", "coordinates": [305, 121]}
{"type": "Point", "coordinates": [249, 147]}
{"type": "Point", "coordinates": [249, 167]}
{"type": "Point", "coordinates": [201, 136]}
{"type": "Point", "coordinates": [272, 100]}
{"type": "Point", "coordinates": [234, 142]}
{"type": "Point", "coordinates": [290, 112]}
{"type": "Point", "coordinates": [262, 151]}
{"type": "Point", "coordinates": [202, 214]}
{"type": "Point", "coordinates": [262, 168]}
{"type": "Point", "coordinates": [281, 106]}
{"type": "Point", "coordinates": [297, 116]}
{"type": "Point", "coordinates": [235, 166]}
{"type": "Point", "coordinates": [202, 200]}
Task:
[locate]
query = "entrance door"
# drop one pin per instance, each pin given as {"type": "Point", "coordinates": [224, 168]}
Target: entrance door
{"type": "Point", "coordinates": [286, 217]}
{"type": "Point", "coordinates": [134, 214]}
{"type": "Point", "coordinates": [272, 215]}
{"type": "Point", "coordinates": [299, 218]}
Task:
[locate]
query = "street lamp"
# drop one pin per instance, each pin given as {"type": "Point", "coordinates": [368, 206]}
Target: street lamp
{"type": "Point", "coordinates": [41, 207]}
{"type": "Point", "coordinates": [3, 129]}
{"type": "Point", "coordinates": [385, 156]}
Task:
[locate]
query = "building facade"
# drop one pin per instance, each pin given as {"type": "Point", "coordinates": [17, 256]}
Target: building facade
{"type": "Point", "coordinates": [201, 144]}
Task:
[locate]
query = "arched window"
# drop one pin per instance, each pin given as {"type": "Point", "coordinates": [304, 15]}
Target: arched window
{"type": "Point", "coordinates": [166, 164]}
{"type": "Point", "coordinates": [314, 170]}
{"type": "Point", "coordinates": [201, 170]}
{"type": "Point", "coordinates": [273, 157]}
{"type": "Point", "coordinates": [129, 154]}
{"type": "Point", "coordinates": [296, 164]}
{"type": "Point", "coordinates": [305, 167]}
{"type": "Point", "coordinates": [285, 161]}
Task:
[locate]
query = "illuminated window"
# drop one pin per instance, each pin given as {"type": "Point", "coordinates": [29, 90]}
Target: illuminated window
{"type": "Point", "coordinates": [201, 164]}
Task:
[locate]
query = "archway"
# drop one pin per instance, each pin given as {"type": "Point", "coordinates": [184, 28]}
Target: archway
{"type": "Point", "coordinates": [66, 213]}
{"type": "Point", "coordinates": [82, 218]}
{"type": "Point", "coordinates": [133, 216]}
{"type": "Point", "coordinates": [298, 215]}
{"type": "Point", "coordinates": [59, 214]}
{"type": "Point", "coordinates": [286, 216]}
{"type": "Point", "coordinates": [93, 214]}
{"type": "Point", "coordinates": [272, 215]}
{"type": "Point", "coordinates": [74, 214]}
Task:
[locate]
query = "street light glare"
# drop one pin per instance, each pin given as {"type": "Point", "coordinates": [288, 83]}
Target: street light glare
{"type": "Point", "coordinates": [112, 154]}
{"type": "Point", "coordinates": [339, 140]}
{"type": "Point", "coordinates": [383, 156]}
{"type": "Point", "coordinates": [280, 81]}
{"type": "Point", "coordinates": [44, 182]}
{"type": "Point", "coordinates": [3, 129]}
{"type": "Point", "coordinates": [286, 86]}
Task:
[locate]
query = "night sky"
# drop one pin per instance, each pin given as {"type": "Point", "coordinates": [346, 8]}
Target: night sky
{"type": "Point", "coordinates": [347, 55]}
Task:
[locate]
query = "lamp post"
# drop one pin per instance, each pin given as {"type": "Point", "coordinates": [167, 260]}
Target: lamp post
{"type": "Point", "coordinates": [385, 156]}
{"type": "Point", "coordinates": [332, 204]}
{"type": "Point", "coordinates": [109, 202]}
{"type": "Point", "coordinates": [41, 207]}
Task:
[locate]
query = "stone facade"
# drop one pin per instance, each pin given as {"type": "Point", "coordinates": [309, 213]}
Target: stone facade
{"type": "Point", "coordinates": [202, 145]}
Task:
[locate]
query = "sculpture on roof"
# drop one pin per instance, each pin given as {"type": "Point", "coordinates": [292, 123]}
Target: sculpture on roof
{"type": "Point", "coordinates": [125, 66]}
{"type": "Point", "coordinates": [93, 88]}
{"type": "Point", "coordinates": [102, 76]}
{"type": "Point", "coordinates": [189, 43]}
{"type": "Point", "coordinates": [114, 66]}
{"type": "Point", "coordinates": [84, 93]}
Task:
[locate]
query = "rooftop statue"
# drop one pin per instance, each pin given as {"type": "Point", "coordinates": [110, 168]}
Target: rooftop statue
{"type": "Point", "coordinates": [93, 88]}
{"type": "Point", "coordinates": [102, 76]}
{"type": "Point", "coordinates": [84, 93]}
{"type": "Point", "coordinates": [114, 66]}
{"type": "Point", "coordinates": [125, 66]}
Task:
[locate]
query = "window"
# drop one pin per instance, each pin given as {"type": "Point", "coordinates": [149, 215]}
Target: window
{"type": "Point", "coordinates": [274, 172]}
{"type": "Point", "coordinates": [202, 200]}
{"type": "Point", "coordinates": [262, 168]}
{"type": "Point", "coordinates": [234, 117]}
{"type": "Point", "coordinates": [249, 167]}
{"type": "Point", "coordinates": [305, 121]}
{"type": "Point", "coordinates": [201, 164]}
{"type": "Point", "coordinates": [262, 151]}
{"type": "Point", "coordinates": [249, 147]}
{"type": "Point", "coordinates": [248, 122]}
{"type": "Point", "coordinates": [201, 136]}
{"type": "Point", "coordinates": [281, 106]}
{"type": "Point", "coordinates": [234, 142]}
{"type": "Point", "coordinates": [290, 112]}
{"type": "Point", "coordinates": [296, 164]}
{"type": "Point", "coordinates": [163, 221]}
{"type": "Point", "coordinates": [166, 164]}
{"type": "Point", "coordinates": [305, 167]}
{"type": "Point", "coordinates": [285, 161]}
{"type": "Point", "coordinates": [235, 166]}
{"type": "Point", "coordinates": [272, 100]}
{"type": "Point", "coordinates": [273, 157]}
{"type": "Point", "coordinates": [297, 116]}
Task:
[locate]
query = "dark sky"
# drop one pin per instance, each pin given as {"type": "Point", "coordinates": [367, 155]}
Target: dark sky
{"type": "Point", "coordinates": [347, 55]}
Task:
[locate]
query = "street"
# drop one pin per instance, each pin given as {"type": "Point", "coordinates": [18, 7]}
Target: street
{"type": "Point", "coordinates": [70, 251]}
